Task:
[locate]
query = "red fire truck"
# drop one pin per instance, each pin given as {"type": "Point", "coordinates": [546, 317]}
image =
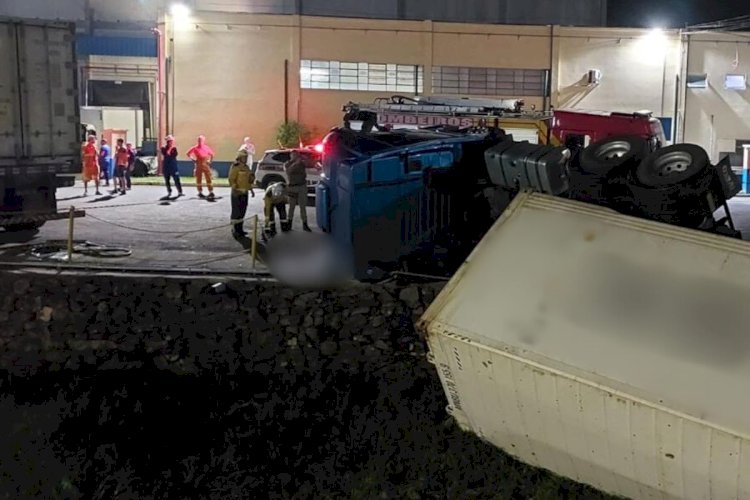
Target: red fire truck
{"type": "Point", "coordinates": [568, 127]}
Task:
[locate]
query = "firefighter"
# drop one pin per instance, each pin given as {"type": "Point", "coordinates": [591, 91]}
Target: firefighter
{"type": "Point", "coordinates": [241, 180]}
{"type": "Point", "coordinates": [90, 165]}
{"type": "Point", "coordinates": [202, 155]}
{"type": "Point", "coordinates": [296, 172]}
{"type": "Point", "coordinates": [275, 198]}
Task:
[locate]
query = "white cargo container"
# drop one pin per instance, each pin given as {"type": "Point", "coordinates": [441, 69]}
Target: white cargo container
{"type": "Point", "coordinates": [40, 129]}
{"type": "Point", "coordinates": [608, 349]}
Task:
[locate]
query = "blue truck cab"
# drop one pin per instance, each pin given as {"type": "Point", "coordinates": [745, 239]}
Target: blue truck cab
{"type": "Point", "coordinates": [385, 196]}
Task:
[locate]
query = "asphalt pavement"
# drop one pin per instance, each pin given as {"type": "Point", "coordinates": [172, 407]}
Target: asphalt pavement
{"type": "Point", "coordinates": [179, 233]}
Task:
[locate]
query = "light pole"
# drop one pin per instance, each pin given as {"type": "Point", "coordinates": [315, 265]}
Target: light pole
{"type": "Point", "coordinates": [160, 95]}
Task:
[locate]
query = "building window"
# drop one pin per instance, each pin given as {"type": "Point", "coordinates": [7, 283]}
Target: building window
{"type": "Point", "coordinates": [337, 75]}
{"type": "Point", "coordinates": [735, 82]}
{"type": "Point", "coordinates": [449, 80]}
{"type": "Point", "coordinates": [697, 81]}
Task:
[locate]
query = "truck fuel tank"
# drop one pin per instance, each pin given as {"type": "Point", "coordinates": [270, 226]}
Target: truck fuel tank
{"type": "Point", "coordinates": [522, 165]}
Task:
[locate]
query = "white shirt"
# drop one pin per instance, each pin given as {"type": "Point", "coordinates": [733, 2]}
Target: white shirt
{"type": "Point", "coordinates": [250, 152]}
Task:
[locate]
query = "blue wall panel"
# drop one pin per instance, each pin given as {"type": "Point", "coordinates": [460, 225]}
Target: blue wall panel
{"type": "Point", "coordinates": [116, 46]}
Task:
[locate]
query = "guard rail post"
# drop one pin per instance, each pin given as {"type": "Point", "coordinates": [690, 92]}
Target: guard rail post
{"type": "Point", "coordinates": [255, 239]}
{"type": "Point", "coordinates": [746, 168]}
{"type": "Point", "coordinates": [71, 220]}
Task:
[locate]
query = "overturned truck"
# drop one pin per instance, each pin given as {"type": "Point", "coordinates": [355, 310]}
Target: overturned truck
{"type": "Point", "coordinates": [420, 201]}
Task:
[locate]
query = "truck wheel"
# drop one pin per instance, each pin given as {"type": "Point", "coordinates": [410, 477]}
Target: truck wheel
{"type": "Point", "coordinates": [603, 156]}
{"type": "Point", "coordinates": [672, 165]}
{"type": "Point", "coordinates": [28, 226]}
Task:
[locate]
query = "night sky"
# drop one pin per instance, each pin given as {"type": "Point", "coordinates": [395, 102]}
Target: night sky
{"type": "Point", "coordinates": [672, 13]}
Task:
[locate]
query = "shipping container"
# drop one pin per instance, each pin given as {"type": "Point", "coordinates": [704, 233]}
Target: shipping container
{"type": "Point", "coordinates": [39, 116]}
{"type": "Point", "coordinates": [608, 349]}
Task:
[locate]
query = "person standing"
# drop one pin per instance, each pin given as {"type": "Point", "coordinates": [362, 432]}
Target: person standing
{"type": "Point", "coordinates": [202, 155]}
{"type": "Point", "coordinates": [241, 180]}
{"type": "Point", "coordinates": [248, 147]}
{"type": "Point", "coordinates": [90, 172]}
{"type": "Point", "coordinates": [275, 198]}
{"type": "Point", "coordinates": [296, 172]}
{"type": "Point", "coordinates": [105, 157]}
{"type": "Point", "coordinates": [131, 164]}
{"type": "Point", "coordinates": [169, 166]}
{"type": "Point", "coordinates": [121, 166]}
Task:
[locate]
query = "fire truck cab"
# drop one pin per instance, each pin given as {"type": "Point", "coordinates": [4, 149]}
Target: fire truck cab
{"type": "Point", "coordinates": [586, 127]}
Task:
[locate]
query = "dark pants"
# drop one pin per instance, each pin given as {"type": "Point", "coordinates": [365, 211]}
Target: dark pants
{"type": "Point", "coordinates": [104, 170]}
{"type": "Point", "coordinates": [128, 182]}
{"type": "Point", "coordinates": [172, 175]}
{"type": "Point", "coordinates": [239, 209]}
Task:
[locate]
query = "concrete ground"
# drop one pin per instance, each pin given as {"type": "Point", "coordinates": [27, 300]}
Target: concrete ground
{"type": "Point", "coordinates": [181, 234]}
{"type": "Point", "coordinates": [153, 229]}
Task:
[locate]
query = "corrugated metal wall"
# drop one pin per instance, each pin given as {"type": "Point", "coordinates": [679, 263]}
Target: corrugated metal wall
{"type": "Point", "coordinates": [564, 12]}
{"type": "Point", "coordinates": [132, 12]}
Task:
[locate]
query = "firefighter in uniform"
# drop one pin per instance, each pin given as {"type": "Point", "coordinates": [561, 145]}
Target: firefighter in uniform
{"type": "Point", "coordinates": [296, 172]}
{"type": "Point", "coordinates": [202, 155]}
{"type": "Point", "coordinates": [275, 198]}
{"type": "Point", "coordinates": [241, 180]}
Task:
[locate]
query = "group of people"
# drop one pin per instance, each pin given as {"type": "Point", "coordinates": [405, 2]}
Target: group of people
{"type": "Point", "coordinates": [275, 197]}
{"type": "Point", "coordinates": [103, 164]}
{"type": "Point", "coordinates": [201, 154]}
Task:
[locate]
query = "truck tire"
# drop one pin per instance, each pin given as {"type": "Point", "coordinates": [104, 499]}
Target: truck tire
{"type": "Point", "coordinates": [603, 156]}
{"type": "Point", "coordinates": [673, 165]}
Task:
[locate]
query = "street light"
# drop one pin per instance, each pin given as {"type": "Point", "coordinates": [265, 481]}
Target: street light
{"type": "Point", "coordinates": [179, 11]}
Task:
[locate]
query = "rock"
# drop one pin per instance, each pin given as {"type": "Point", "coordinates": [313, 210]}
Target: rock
{"type": "Point", "coordinates": [173, 292]}
{"type": "Point", "coordinates": [21, 286]}
{"type": "Point", "coordinates": [382, 345]}
{"type": "Point", "coordinates": [45, 314]}
{"type": "Point", "coordinates": [95, 345]}
{"type": "Point", "coordinates": [312, 334]}
{"type": "Point", "coordinates": [155, 345]}
{"type": "Point", "coordinates": [329, 348]}
{"type": "Point", "coordinates": [410, 296]}
{"type": "Point", "coordinates": [292, 342]}
{"type": "Point", "coordinates": [305, 299]}
{"type": "Point", "coordinates": [360, 311]}
{"type": "Point", "coordinates": [377, 321]}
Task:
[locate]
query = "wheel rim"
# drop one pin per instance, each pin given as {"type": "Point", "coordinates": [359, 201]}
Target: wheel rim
{"type": "Point", "coordinates": [674, 163]}
{"type": "Point", "coordinates": [613, 150]}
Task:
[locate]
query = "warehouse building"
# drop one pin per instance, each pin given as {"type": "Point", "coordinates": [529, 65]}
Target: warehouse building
{"type": "Point", "coordinates": [243, 67]}
{"type": "Point", "coordinates": [239, 74]}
